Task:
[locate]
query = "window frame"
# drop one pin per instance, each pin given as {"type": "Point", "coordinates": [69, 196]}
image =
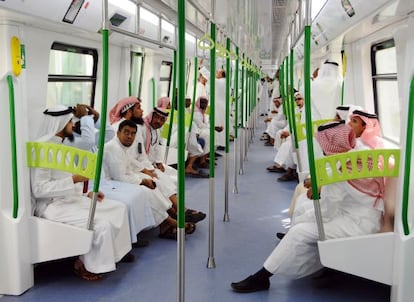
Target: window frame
{"type": "Point", "coordinates": [76, 78]}
{"type": "Point", "coordinates": [167, 79]}
{"type": "Point", "coordinates": [389, 43]}
{"type": "Point", "coordinates": [385, 76]}
{"type": "Point", "coordinates": [141, 73]}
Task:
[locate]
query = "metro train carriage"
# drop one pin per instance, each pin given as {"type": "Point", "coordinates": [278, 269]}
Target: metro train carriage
{"type": "Point", "coordinates": [299, 113]}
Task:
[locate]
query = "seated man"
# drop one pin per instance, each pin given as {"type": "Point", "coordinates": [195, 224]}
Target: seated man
{"type": "Point", "coordinates": [137, 200]}
{"type": "Point", "coordinates": [201, 126]}
{"type": "Point", "coordinates": [350, 208]}
{"type": "Point", "coordinates": [275, 122]}
{"type": "Point", "coordinates": [130, 109]}
{"type": "Point", "coordinates": [118, 165]}
{"type": "Point", "coordinates": [58, 197]}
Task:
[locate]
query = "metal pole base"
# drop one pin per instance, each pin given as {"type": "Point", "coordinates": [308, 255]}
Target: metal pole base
{"type": "Point", "coordinates": [241, 172]}
{"type": "Point", "coordinates": [211, 263]}
{"type": "Point", "coordinates": [226, 217]}
{"type": "Point", "coordinates": [235, 190]}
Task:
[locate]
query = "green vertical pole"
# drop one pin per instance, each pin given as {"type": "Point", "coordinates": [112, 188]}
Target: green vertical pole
{"type": "Point", "coordinates": [181, 151]}
{"type": "Point", "coordinates": [236, 94]}
{"type": "Point", "coordinates": [228, 79]}
{"type": "Point", "coordinates": [13, 147]}
{"type": "Point", "coordinates": [308, 114]}
{"type": "Point", "coordinates": [407, 160]}
{"type": "Point", "coordinates": [101, 141]}
{"type": "Point", "coordinates": [288, 97]}
{"type": "Point", "coordinates": [292, 97]}
{"type": "Point", "coordinates": [282, 87]}
{"type": "Point", "coordinates": [242, 95]}
{"type": "Point", "coordinates": [212, 99]}
{"type": "Point", "coordinates": [227, 135]}
{"type": "Point", "coordinates": [129, 88]}
{"type": "Point", "coordinates": [211, 262]}
{"type": "Point", "coordinates": [236, 119]}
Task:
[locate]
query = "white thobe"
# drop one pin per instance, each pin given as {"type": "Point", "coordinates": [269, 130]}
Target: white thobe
{"type": "Point", "coordinates": [118, 166]}
{"type": "Point", "coordinates": [59, 199]}
{"type": "Point", "coordinates": [156, 153]}
{"type": "Point", "coordinates": [220, 111]}
{"type": "Point", "coordinates": [346, 212]}
{"type": "Point", "coordinates": [137, 200]}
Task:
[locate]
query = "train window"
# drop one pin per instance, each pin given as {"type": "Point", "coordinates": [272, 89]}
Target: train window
{"type": "Point", "coordinates": [149, 24]}
{"type": "Point", "coordinates": [137, 63]}
{"type": "Point", "coordinates": [72, 75]}
{"type": "Point", "coordinates": [385, 85]}
{"type": "Point", "coordinates": [165, 78]}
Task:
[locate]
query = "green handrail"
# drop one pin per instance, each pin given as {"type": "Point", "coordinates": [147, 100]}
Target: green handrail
{"type": "Point", "coordinates": [13, 147]}
{"type": "Point", "coordinates": [407, 160]}
{"type": "Point", "coordinates": [236, 95]}
{"type": "Point", "coordinates": [129, 88]}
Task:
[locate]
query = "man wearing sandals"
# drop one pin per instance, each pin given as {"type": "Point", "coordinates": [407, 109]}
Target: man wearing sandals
{"type": "Point", "coordinates": [59, 198]}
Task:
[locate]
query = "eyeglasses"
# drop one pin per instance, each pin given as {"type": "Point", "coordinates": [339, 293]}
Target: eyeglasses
{"type": "Point", "coordinates": [297, 99]}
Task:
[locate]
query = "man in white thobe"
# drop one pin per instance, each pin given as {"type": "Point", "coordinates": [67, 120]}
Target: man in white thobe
{"type": "Point", "coordinates": [58, 197]}
{"type": "Point", "coordinates": [136, 199]}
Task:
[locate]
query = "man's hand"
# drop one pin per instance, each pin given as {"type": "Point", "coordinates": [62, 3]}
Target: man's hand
{"type": "Point", "coordinates": [79, 178]}
{"type": "Point", "coordinates": [80, 110]}
{"type": "Point", "coordinates": [149, 183]}
{"type": "Point", "coordinates": [219, 128]}
{"type": "Point", "coordinates": [160, 166]}
{"type": "Point", "coordinates": [284, 134]}
{"type": "Point", "coordinates": [99, 197]}
{"type": "Point", "coordinates": [94, 113]}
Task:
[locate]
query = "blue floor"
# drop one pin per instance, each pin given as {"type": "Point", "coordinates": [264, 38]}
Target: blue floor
{"type": "Point", "coordinates": [257, 212]}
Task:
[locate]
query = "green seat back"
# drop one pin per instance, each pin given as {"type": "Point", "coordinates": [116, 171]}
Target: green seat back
{"type": "Point", "coordinates": [61, 157]}
{"type": "Point", "coordinates": [301, 128]}
{"type": "Point", "coordinates": [364, 164]}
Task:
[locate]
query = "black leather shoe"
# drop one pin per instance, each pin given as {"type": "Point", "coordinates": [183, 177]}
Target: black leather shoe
{"type": "Point", "coordinates": [140, 243]}
{"type": "Point", "coordinates": [280, 235]}
{"type": "Point", "coordinates": [251, 284]}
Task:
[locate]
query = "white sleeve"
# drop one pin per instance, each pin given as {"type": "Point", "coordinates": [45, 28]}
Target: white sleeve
{"type": "Point", "coordinates": [116, 165]}
{"type": "Point", "coordinates": [86, 140]}
{"type": "Point", "coordinates": [44, 185]}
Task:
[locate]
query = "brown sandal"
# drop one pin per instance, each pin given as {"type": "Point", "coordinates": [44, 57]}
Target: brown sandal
{"type": "Point", "coordinates": [80, 271]}
{"type": "Point", "coordinates": [169, 233]}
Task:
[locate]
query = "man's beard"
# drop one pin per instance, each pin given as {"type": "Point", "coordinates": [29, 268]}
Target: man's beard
{"type": "Point", "coordinates": [137, 120]}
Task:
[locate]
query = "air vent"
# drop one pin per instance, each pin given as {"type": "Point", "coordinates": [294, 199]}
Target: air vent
{"type": "Point", "coordinates": [117, 19]}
